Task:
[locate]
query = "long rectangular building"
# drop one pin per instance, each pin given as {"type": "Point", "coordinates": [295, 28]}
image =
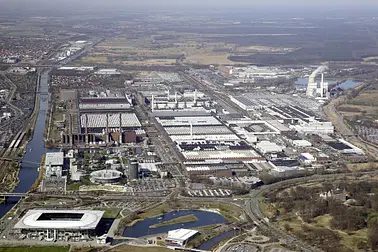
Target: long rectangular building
{"type": "Point", "coordinates": [99, 122]}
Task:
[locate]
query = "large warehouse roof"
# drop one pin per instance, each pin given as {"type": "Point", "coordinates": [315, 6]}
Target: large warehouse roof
{"type": "Point", "coordinates": [194, 120]}
{"type": "Point", "coordinates": [60, 219]}
{"type": "Point", "coordinates": [99, 120]}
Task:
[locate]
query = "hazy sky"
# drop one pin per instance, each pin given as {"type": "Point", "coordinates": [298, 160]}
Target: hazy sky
{"type": "Point", "coordinates": [196, 3]}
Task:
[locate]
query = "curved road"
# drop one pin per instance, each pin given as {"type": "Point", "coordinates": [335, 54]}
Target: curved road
{"type": "Point", "coordinates": [253, 209]}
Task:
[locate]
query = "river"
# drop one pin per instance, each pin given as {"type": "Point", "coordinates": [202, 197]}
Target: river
{"type": "Point", "coordinates": [35, 147]}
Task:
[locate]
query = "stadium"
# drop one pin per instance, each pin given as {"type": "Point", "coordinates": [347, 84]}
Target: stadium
{"type": "Point", "coordinates": [53, 225]}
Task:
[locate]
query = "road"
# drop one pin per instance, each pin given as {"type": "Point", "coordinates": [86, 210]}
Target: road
{"type": "Point", "coordinates": [338, 121]}
{"type": "Point", "coordinates": [253, 209]}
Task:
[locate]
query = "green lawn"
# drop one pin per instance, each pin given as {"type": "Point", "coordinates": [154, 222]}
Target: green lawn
{"type": "Point", "coordinates": [111, 213]}
{"type": "Point", "coordinates": [34, 249]}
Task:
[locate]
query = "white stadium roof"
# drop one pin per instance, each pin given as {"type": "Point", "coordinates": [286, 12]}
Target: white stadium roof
{"type": "Point", "coordinates": [60, 219]}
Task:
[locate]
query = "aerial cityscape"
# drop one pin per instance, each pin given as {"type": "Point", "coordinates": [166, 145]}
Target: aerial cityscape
{"type": "Point", "coordinates": [188, 126]}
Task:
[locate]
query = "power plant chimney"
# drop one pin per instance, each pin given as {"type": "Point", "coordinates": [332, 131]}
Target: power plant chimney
{"type": "Point", "coordinates": [153, 103]}
{"type": "Point", "coordinates": [86, 129]}
{"type": "Point", "coordinates": [70, 129]}
{"type": "Point", "coordinates": [191, 130]}
{"type": "Point", "coordinates": [107, 128]}
{"type": "Point", "coordinates": [195, 97]}
{"type": "Point", "coordinates": [120, 128]}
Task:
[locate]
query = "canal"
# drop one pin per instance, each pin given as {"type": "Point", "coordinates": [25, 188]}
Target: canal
{"type": "Point", "coordinates": [35, 148]}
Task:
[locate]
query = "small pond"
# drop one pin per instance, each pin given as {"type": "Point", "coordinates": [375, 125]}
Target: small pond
{"type": "Point", "coordinates": [142, 228]}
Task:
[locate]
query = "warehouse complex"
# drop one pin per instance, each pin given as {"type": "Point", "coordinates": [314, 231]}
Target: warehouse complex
{"type": "Point", "coordinates": [101, 118]}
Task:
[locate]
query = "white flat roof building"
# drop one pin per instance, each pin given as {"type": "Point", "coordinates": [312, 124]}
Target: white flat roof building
{"type": "Point", "coordinates": [40, 219]}
{"type": "Point", "coordinates": [180, 236]}
{"type": "Point", "coordinates": [54, 159]}
{"type": "Point", "coordinates": [99, 120]}
{"type": "Point", "coordinates": [187, 121]}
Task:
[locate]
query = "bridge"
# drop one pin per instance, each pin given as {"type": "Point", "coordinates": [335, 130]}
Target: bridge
{"type": "Point", "coordinates": [18, 160]}
{"type": "Point", "coordinates": [5, 195]}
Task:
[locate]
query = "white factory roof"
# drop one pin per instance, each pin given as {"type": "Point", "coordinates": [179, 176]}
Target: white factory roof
{"type": "Point", "coordinates": [31, 220]}
{"type": "Point", "coordinates": [187, 121]}
{"type": "Point", "coordinates": [308, 156]}
{"type": "Point", "coordinates": [107, 71]}
{"type": "Point", "coordinates": [54, 158]}
{"type": "Point", "coordinates": [220, 154]}
{"type": "Point", "coordinates": [99, 120]}
{"type": "Point", "coordinates": [198, 130]}
{"type": "Point", "coordinates": [302, 143]}
{"type": "Point", "coordinates": [181, 234]}
{"type": "Point", "coordinates": [104, 106]}
{"type": "Point", "coordinates": [268, 147]}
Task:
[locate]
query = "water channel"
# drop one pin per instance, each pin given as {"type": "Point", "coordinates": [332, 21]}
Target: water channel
{"type": "Point", "coordinates": [35, 148]}
{"type": "Point", "coordinates": [208, 245]}
{"type": "Point", "coordinates": [142, 228]}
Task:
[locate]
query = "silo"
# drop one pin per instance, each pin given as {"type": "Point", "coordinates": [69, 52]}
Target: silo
{"type": "Point", "coordinates": [133, 169]}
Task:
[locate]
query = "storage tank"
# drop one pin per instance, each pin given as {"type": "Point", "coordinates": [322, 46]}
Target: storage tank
{"type": "Point", "coordinates": [133, 169]}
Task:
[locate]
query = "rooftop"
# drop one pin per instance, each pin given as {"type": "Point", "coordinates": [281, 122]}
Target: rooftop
{"type": "Point", "coordinates": [54, 158]}
{"type": "Point", "coordinates": [181, 234]}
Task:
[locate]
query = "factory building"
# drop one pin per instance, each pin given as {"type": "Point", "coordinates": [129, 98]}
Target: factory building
{"type": "Point", "coordinates": [226, 70]}
{"type": "Point", "coordinates": [268, 147]}
{"type": "Point", "coordinates": [54, 225]}
{"type": "Point", "coordinates": [54, 162]}
{"type": "Point", "coordinates": [100, 123]}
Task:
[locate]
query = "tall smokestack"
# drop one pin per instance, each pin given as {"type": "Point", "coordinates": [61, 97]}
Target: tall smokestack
{"type": "Point", "coordinates": [191, 130]}
{"type": "Point", "coordinates": [120, 128]}
{"type": "Point", "coordinates": [195, 97]}
{"type": "Point", "coordinates": [70, 129]}
{"type": "Point", "coordinates": [322, 78]}
{"type": "Point", "coordinates": [107, 128]}
{"type": "Point", "coordinates": [175, 97]}
{"type": "Point", "coordinates": [86, 129]}
{"type": "Point", "coordinates": [153, 105]}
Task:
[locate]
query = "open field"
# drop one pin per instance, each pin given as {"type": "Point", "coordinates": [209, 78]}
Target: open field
{"type": "Point", "coordinates": [362, 167]}
{"type": "Point", "coordinates": [110, 213]}
{"type": "Point", "coordinates": [34, 249]}
{"type": "Point", "coordinates": [156, 211]}
{"type": "Point", "coordinates": [182, 219]}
